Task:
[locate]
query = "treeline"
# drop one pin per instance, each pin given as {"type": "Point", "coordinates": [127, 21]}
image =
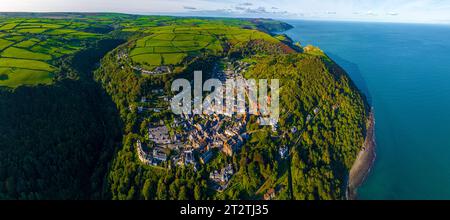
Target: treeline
{"type": "Point", "coordinates": [57, 141]}
{"type": "Point", "coordinates": [259, 47]}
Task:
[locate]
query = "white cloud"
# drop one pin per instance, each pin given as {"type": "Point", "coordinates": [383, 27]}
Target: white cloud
{"type": "Point", "coordinates": [189, 7]}
{"type": "Point", "coordinates": [246, 4]}
{"type": "Point", "coordinates": [371, 13]}
{"type": "Point", "coordinates": [385, 10]}
{"type": "Point", "coordinates": [259, 10]}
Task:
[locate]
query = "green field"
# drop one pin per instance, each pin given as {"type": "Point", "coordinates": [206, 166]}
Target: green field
{"type": "Point", "coordinates": [29, 47]}
{"type": "Point", "coordinates": [148, 61]}
{"type": "Point", "coordinates": [4, 44]}
{"type": "Point", "coordinates": [8, 26]}
{"type": "Point", "coordinates": [175, 43]}
{"type": "Point", "coordinates": [13, 52]}
{"type": "Point", "coordinates": [25, 64]}
{"type": "Point", "coordinates": [32, 30]}
{"type": "Point", "coordinates": [13, 77]}
{"type": "Point", "coordinates": [38, 43]}
{"type": "Point", "coordinates": [27, 43]}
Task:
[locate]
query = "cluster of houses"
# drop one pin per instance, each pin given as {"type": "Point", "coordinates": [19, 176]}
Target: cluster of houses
{"type": "Point", "coordinates": [185, 159]}
{"type": "Point", "coordinates": [233, 71]}
{"type": "Point", "coordinates": [198, 137]}
{"type": "Point", "coordinates": [218, 132]}
{"type": "Point", "coordinates": [155, 157]}
{"type": "Point", "coordinates": [160, 135]}
{"type": "Point", "coordinates": [221, 177]}
{"type": "Point", "coordinates": [121, 54]}
{"type": "Point", "coordinates": [143, 103]}
{"type": "Point", "coordinates": [157, 71]}
{"type": "Point", "coordinates": [201, 135]}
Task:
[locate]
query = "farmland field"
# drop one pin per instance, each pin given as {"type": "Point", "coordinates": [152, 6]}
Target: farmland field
{"type": "Point", "coordinates": [4, 44]}
{"type": "Point", "coordinates": [175, 43]}
{"type": "Point", "coordinates": [27, 43]}
{"type": "Point", "coordinates": [148, 60]}
{"type": "Point", "coordinates": [13, 77]}
{"type": "Point", "coordinates": [14, 52]}
{"type": "Point", "coordinates": [25, 64]}
{"type": "Point", "coordinates": [31, 48]}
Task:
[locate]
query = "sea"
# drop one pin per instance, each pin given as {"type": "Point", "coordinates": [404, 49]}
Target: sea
{"type": "Point", "coordinates": [404, 71]}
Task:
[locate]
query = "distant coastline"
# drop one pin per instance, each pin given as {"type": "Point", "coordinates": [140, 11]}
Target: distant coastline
{"type": "Point", "coordinates": [364, 161]}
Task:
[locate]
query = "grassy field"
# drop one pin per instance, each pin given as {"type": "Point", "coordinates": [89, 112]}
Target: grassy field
{"type": "Point", "coordinates": [25, 64]}
{"type": "Point", "coordinates": [13, 52]}
{"type": "Point", "coordinates": [27, 43]}
{"type": "Point", "coordinates": [175, 43]}
{"type": "Point", "coordinates": [4, 44]}
{"type": "Point", "coordinates": [34, 44]}
{"type": "Point", "coordinates": [29, 47]}
{"type": "Point", "coordinates": [13, 77]}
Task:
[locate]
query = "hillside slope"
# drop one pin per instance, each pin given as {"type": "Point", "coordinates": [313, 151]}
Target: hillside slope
{"type": "Point", "coordinates": [318, 100]}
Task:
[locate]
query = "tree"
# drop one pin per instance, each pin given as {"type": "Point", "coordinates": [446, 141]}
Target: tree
{"type": "Point", "coordinates": [161, 193]}
{"type": "Point", "coordinates": [182, 195]}
{"type": "Point", "coordinates": [197, 192]}
{"type": "Point", "coordinates": [146, 189]}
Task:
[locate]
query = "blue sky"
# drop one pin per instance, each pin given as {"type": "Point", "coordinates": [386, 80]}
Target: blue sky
{"type": "Point", "coordinates": [421, 11]}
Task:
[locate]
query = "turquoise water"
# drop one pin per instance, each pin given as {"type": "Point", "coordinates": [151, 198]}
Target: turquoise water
{"type": "Point", "coordinates": [405, 71]}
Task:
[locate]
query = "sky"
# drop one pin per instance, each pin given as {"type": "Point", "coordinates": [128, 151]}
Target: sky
{"type": "Point", "coordinates": [414, 11]}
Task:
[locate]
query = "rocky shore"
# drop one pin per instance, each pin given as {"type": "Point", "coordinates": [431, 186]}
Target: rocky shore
{"type": "Point", "coordinates": [364, 160]}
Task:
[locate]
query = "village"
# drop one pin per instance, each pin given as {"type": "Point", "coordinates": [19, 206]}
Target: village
{"type": "Point", "coordinates": [197, 137]}
{"type": "Point", "coordinates": [194, 140]}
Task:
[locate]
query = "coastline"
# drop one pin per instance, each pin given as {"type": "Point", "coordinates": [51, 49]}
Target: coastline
{"type": "Point", "coordinates": [364, 161]}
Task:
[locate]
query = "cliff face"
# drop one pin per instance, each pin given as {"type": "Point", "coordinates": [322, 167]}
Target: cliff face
{"type": "Point", "coordinates": [271, 26]}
